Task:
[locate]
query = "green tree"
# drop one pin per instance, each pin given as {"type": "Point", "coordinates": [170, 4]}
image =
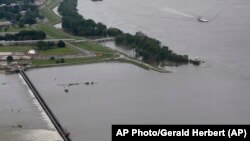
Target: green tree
{"type": "Point", "coordinates": [9, 59]}
{"type": "Point", "coordinates": [62, 60]}
{"type": "Point", "coordinates": [60, 44]}
{"type": "Point", "coordinates": [41, 45]}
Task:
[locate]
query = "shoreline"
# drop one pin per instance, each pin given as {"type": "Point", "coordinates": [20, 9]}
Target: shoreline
{"type": "Point", "coordinates": [52, 6]}
{"type": "Point", "coordinates": [47, 10]}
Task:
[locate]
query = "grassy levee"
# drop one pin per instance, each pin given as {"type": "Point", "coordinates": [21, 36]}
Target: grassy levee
{"type": "Point", "coordinates": [72, 61]}
{"type": "Point", "coordinates": [59, 51]}
{"type": "Point", "coordinates": [91, 46]}
{"type": "Point", "coordinates": [47, 11]}
{"type": "Point", "coordinates": [51, 20]}
{"type": "Point", "coordinates": [15, 48]}
{"type": "Point", "coordinates": [134, 63]}
{"type": "Point", "coordinates": [52, 32]}
{"type": "Point", "coordinates": [51, 16]}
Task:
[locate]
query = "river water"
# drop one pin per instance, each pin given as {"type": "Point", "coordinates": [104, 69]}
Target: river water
{"type": "Point", "coordinates": [18, 106]}
{"type": "Point", "coordinates": [217, 92]}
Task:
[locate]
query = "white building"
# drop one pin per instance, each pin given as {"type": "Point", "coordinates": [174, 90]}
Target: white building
{"type": "Point", "coordinates": [15, 55]}
{"type": "Point", "coordinates": [32, 52]}
{"type": "Point", "coordinates": [5, 24]}
{"type": "Point", "coordinates": [2, 5]}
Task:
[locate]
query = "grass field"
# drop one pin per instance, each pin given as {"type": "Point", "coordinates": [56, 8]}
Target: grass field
{"type": "Point", "coordinates": [94, 47]}
{"type": "Point", "coordinates": [49, 14]}
{"type": "Point", "coordinates": [53, 19]}
{"type": "Point", "coordinates": [15, 48]}
{"type": "Point", "coordinates": [59, 51]}
{"type": "Point", "coordinates": [52, 31]}
{"type": "Point", "coordinates": [53, 51]}
{"type": "Point", "coordinates": [37, 63]}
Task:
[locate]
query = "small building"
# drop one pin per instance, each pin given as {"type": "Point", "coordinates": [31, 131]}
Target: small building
{"type": "Point", "coordinates": [2, 5]}
{"type": "Point", "coordinates": [15, 55]}
{"type": "Point", "coordinates": [32, 52]}
{"type": "Point", "coordinates": [23, 13]}
{"type": "Point", "coordinates": [13, 4]}
{"type": "Point", "coordinates": [40, 2]}
{"type": "Point", "coordinates": [6, 24]}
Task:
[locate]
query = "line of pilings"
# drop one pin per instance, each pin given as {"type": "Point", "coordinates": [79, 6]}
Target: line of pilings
{"type": "Point", "coordinates": [45, 107]}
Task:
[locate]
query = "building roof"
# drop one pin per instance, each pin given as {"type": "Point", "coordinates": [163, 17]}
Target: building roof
{"type": "Point", "coordinates": [32, 52]}
{"type": "Point", "coordinates": [5, 23]}
{"type": "Point", "coordinates": [2, 5]}
{"type": "Point", "coordinates": [5, 53]}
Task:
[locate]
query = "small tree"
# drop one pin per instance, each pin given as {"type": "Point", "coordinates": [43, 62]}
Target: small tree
{"type": "Point", "coordinates": [10, 59]}
{"type": "Point", "coordinates": [51, 44]}
{"type": "Point", "coordinates": [62, 60]}
{"type": "Point", "coordinates": [21, 25]}
{"type": "Point", "coordinates": [52, 58]}
{"type": "Point", "coordinates": [60, 44]}
{"type": "Point", "coordinates": [41, 45]}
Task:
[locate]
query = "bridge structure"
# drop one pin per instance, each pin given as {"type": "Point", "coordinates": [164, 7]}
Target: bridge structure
{"type": "Point", "coordinates": [64, 134]}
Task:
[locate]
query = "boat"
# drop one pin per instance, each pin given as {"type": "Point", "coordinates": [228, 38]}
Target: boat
{"type": "Point", "coordinates": [200, 19]}
{"type": "Point", "coordinates": [196, 61]}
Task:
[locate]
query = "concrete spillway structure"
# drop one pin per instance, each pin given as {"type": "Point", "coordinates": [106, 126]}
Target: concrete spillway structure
{"type": "Point", "coordinates": [45, 107]}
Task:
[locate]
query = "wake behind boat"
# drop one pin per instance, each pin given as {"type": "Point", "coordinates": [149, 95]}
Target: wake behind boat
{"type": "Point", "coordinates": [200, 19]}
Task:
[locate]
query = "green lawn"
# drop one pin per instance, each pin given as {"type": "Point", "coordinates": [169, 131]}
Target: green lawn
{"type": "Point", "coordinates": [59, 51]}
{"type": "Point", "coordinates": [15, 48]}
{"type": "Point", "coordinates": [53, 51]}
{"type": "Point", "coordinates": [94, 47]}
{"type": "Point", "coordinates": [53, 19]}
{"type": "Point", "coordinates": [52, 31]}
{"type": "Point", "coordinates": [50, 15]}
{"type": "Point", "coordinates": [42, 62]}
{"type": "Point", "coordinates": [86, 59]}
{"type": "Point", "coordinates": [71, 61]}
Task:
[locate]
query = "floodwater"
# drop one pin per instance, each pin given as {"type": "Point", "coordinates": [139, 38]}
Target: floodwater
{"type": "Point", "coordinates": [21, 117]}
{"type": "Point", "coordinates": [217, 92]}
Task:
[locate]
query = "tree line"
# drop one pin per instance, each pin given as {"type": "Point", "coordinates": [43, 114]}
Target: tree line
{"type": "Point", "coordinates": [74, 23]}
{"type": "Point", "coordinates": [24, 35]}
{"type": "Point", "coordinates": [148, 48]}
{"type": "Point", "coordinates": [42, 45]}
